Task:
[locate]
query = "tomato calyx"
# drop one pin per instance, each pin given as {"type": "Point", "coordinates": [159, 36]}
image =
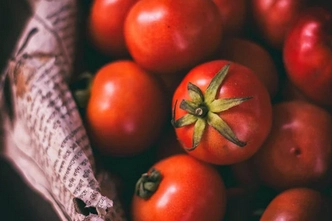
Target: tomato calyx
{"type": "Point", "coordinates": [203, 110]}
{"type": "Point", "coordinates": [148, 183]}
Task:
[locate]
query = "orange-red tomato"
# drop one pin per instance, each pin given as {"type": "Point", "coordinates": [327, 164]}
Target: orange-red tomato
{"type": "Point", "coordinates": [126, 110]}
{"type": "Point", "coordinates": [188, 190]}
{"type": "Point", "coordinates": [169, 36]}
{"type": "Point", "coordinates": [226, 123]}
{"type": "Point", "coordinates": [105, 26]}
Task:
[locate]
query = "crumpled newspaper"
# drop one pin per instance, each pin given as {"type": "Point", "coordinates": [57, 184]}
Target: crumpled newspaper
{"type": "Point", "coordinates": [44, 135]}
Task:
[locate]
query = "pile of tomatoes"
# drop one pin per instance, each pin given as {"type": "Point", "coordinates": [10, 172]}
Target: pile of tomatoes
{"type": "Point", "coordinates": [212, 109]}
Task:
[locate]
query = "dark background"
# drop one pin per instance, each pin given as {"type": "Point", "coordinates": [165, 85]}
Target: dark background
{"type": "Point", "coordinates": [17, 201]}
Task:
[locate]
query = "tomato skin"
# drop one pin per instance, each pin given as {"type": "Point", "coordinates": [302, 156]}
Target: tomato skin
{"type": "Point", "coordinates": [190, 190]}
{"type": "Point", "coordinates": [251, 120]}
{"type": "Point", "coordinates": [298, 204]}
{"type": "Point", "coordinates": [169, 36]}
{"type": "Point", "coordinates": [298, 151]}
{"type": "Point", "coordinates": [307, 55]}
{"type": "Point", "coordinates": [273, 18]}
{"type": "Point", "coordinates": [105, 26]}
{"type": "Point", "coordinates": [126, 110]}
{"type": "Point", "coordinates": [233, 14]}
{"type": "Point", "coordinates": [253, 56]}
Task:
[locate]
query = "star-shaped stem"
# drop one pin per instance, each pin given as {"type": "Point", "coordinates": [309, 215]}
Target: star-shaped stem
{"type": "Point", "coordinates": [148, 184]}
{"type": "Point", "coordinates": [203, 110]}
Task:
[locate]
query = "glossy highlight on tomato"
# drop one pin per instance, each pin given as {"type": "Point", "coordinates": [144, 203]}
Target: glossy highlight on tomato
{"type": "Point", "coordinates": [307, 55]}
{"type": "Point", "coordinates": [126, 111]}
{"type": "Point", "coordinates": [274, 18]}
{"type": "Point", "coordinates": [166, 36]}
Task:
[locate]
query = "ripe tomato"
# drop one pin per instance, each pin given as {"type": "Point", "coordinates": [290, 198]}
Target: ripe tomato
{"type": "Point", "coordinates": [222, 114]}
{"type": "Point", "coordinates": [105, 26]}
{"type": "Point", "coordinates": [233, 14]}
{"type": "Point", "coordinates": [253, 56]}
{"type": "Point", "coordinates": [179, 188]}
{"type": "Point", "coordinates": [298, 204]}
{"type": "Point", "coordinates": [298, 151]}
{"type": "Point", "coordinates": [126, 110]}
{"type": "Point", "coordinates": [307, 55]}
{"type": "Point", "coordinates": [166, 36]}
{"type": "Point", "coordinates": [273, 18]}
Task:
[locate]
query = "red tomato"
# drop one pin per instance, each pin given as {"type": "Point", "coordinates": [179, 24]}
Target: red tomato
{"type": "Point", "coordinates": [126, 110]}
{"type": "Point", "coordinates": [298, 151]}
{"type": "Point", "coordinates": [106, 23]}
{"type": "Point", "coordinates": [183, 189]}
{"type": "Point", "coordinates": [226, 123]}
{"type": "Point", "coordinates": [273, 18]}
{"type": "Point", "coordinates": [307, 55]}
{"type": "Point", "coordinates": [233, 14]}
{"type": "Point", "coordinates": [298, 204]}
{"type": "Point", "coordinates": [168, 36]}
{"type": "Point", "coordinates": [253, 56]}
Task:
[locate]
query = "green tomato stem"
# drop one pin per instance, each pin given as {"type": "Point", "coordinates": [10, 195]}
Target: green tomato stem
{"type": "Point", "coordinates": [204, 108]}
{"type": "Point", "coordinates": [148, 184]}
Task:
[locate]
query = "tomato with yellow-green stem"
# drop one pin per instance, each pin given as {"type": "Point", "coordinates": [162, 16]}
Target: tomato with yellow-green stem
{"type": "Point", "coordinates": [221, 112]}
{"type": "Point", "coordinates": [179, 187]}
